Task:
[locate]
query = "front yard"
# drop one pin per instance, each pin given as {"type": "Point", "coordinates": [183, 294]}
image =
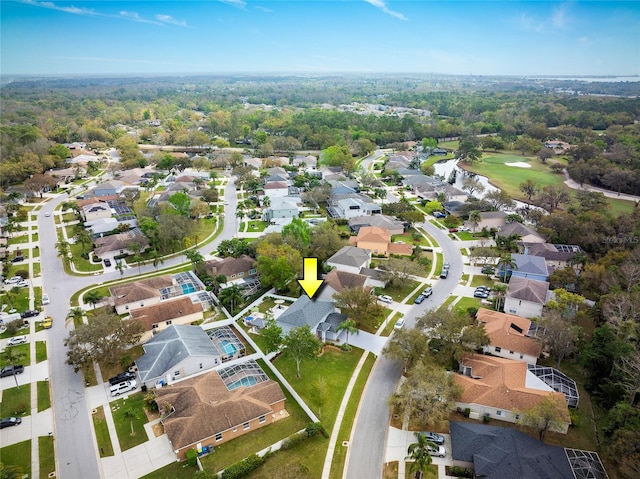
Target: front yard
{"type": "Point", "coordinates": [16, 401]}
{"type": "Point", "coordinates": [128, 412]}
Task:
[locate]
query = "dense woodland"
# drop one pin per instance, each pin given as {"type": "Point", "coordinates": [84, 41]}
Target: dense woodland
{"type": "Point", "coordinates": [282, 115]}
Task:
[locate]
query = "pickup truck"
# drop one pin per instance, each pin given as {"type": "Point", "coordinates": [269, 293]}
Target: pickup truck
{"type": "Point", "coordinates": [11, 370]}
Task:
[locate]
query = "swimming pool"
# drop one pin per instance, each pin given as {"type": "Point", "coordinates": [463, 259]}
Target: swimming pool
{"type": "Point", "coordinates": [188, 288]}
{"type": "Point", "coordinates": [228, 347]}
{"type": "Point", "coordinates": [247, 381]}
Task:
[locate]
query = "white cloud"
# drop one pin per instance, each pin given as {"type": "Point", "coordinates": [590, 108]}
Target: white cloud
{"type": "Point", "coordinates": [235, 3]}
{"type": "Point", "coordinates": [171, 20]}
{"type": "Point", "coordinates": [264, 9]}
{"type": "Point", "coordinates": [383, 6]}
{"type": "Point", "coordinates": [70, 9]}
{"type": "Point", "coordinates": [135, 17]}
{"type": "Point", "coordinates": [559, 19]}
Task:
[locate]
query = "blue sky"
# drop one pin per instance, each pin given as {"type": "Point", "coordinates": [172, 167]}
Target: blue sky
{"type": "Point", "coordinates": [297, 36]}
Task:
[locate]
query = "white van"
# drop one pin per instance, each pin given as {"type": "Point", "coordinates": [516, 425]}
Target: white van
{"type": "Point", "coordinates": [122, 388]}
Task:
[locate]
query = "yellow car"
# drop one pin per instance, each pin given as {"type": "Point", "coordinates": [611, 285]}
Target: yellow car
{"type": "Point", "coordinates": [47, 323]}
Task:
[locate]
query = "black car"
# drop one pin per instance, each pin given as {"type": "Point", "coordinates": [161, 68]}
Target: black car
{"type": "Point", "coordinates": [419, 299]}
{"type": "Point", "coordinates": [107, 262]}
{"type": "Point", "coordinates": [9, 421]}
{"type": "Point", "coordinates": [17, 259]}
{"type": "Point", "coordinates": [122, 377]}
{"type": "Point", "coordinates": [11, 370]}
{"type": "Point", "coordinates": [444, 273]}
{"type": "Point", "coordinates": [29, 313]}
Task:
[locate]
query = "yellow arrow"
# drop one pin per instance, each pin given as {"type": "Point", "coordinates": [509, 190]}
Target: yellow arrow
{"type": "Point", "coordinates": [310, 282]}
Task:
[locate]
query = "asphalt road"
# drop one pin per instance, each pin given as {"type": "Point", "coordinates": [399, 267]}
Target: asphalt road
{"type": "Point", "coordinates": [76, 455]}
{"type": "Point", "coordinates": [367, 448]}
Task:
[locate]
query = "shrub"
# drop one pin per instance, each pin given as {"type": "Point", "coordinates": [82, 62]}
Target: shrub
{"type": "Point", "coordinates": [23, 273]}
{"type": "Point", "coordinates": [458, 471]}
{"type": "Point", "coordinates": [292, 441]}
{"type": "Point", "coordinates": [314, 428]}
{"type": "Point", "coordinates": [191, 457]}
{"type": "Point", "coordinates": [467, 411]}
{"type": "Point", "coordinates": [486, 418]}
{"type": "Point", "coordinates": [244, 467]}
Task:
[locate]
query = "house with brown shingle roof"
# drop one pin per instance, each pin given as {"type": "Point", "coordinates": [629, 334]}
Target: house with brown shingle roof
{"type": "Point", "coordinates": [378, 241]}
{"type": "Point", "coordinates": [526, 297]}
{"type": "Point", "coordinates": [121, 243]}
{"type": "Point", "coordinates": [210, 410]}
{"type": "Point", "coordinates": [232, 268]}
{"type": "Point", "coordinates": [500, 388]}
{"type": "Point", "coordinates": [138, 294]}
{"type": "Point", "coordinates": [157, 317]}
{"type": "Point", "coordinates": [508, 336]}
{"type": "Point", "coordinates": [526, 233]}
{"type": "Point", "coordinates": [337, 281]}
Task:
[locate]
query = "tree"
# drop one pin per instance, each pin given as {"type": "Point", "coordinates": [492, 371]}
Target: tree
{"type": "Point", "coordinates": [544, 154]}
{"type": "Point", "coordinates": [428, 394]}
{"type": "Point", "coordinates": [198, 209]}
{"type": "Point", "coordinates": [301, 343]}
{"type": "Point", "coordinates": [419, 453]}
{"type": "Point", "coordinates": [63, 248]}
{"type": "Point", "coordinates": [320, 393]}
{"type": "Point", "coordinates": [76, 314]}
{"type": "Point", "coordinates": [131, 413]}
{"type": "Point", "coordinates": [278, 265]}
{"type": "Point", "coordinates": [468, 151]}
{"type": "Point", "coordinates": [196, 258]}
{"type": "Point", "coordinates": [358, 305]}
{"type": "Point", "coordinates": [396, 270]}
{"type": "Point", "coordinates": [500, 291]}
{"type": "Point", "coordinates": [407, 346]}
{"type": "Point", "coordinates": [105, 339]}
{"type": "Point", "coordinates": [472, 184]}
{"type": "Point", "coordinates": [84, 238]}
{"type": "Point", "coordinates": [549, 414]}
{"type": "Point", "coordinates": [529, 187]}
{"type": "Point", "coordinates": [550, 197]}
{"type": "Point", "coordinates": [506, 264]}
{"type": "Point", "coordinates": [12, 357]}
{"type": "Point", "coordinates": [526, 144]}
{"type": "Point", "coordinates": [325, 241]}
{"type": "Point", "coordinates": [230, 297]}
{"type": "Point", "coordinates": [297, 234]}
{"type": "Point", "coordinates": [8, 471]}
{"type": "Point", "coordinates": [350, 327]}
{"type": "Point", "coordinates": [234, 247]}
{"type": "Point", "coordinates": [181, 202]}
{"type": "Point", "coordinates": [499, 200]}
{"type": "Point", "coordinates": [560, 335]}
{"type": "Point", "coordinates": [452, 333]}
{"type": "Point", "coordinates": [475, 217]}
{"type": "Point", "coordinates": [38, 184]}
{"type": "Point", "coordinates": [272, 335]}
{"type": "Point", "coordinates": [92, 297]}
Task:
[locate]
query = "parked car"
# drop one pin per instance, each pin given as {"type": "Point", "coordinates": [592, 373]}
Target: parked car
{"type": "Point", "coordinates": [17, 259]}
{"type": "Point", "coordinates": [385, 299]}
{"type": "Point", "coordinates": [437, 451]}
{"type": "Point", "coordinates": [427, 292]}
{"type": "Point", "coordinates": [30, 313]}
{"type": "Point", "coordinates": [445, 266]}
{"type": "Point", "coordinates": [22, 284]}
{"type": "Point", "coordinates": [17, 340]}
{"type": "Point", "coordinates": [11, 370]}
{"type": "Point", "coordinates": [122, 377]}
{"type": "Point", "coordinates": [14, 280]}
{"type": "Point", "coordinates": [464, 228]}
{"type": "Point", "coordinates": [399, 324]}
{"type": "Point", "coordinates": [444, 273]}
{"type": "Point", "coordinates": [122, 388]}
{"type": "Point", "coordinates": [479, 293]}
{"type": "Point", "coordinates": [420, 299]}
{"type": "Point", "coordinates": [453, 230]}
{"type": "Point", "coordinates": [9, 421]}
{"type": "Point", "coordinates": [47, 214]}
{"type": "Point", "coordinates": [107, 262]}
{"type": "Point", "coordinates": [45, 298]}
{"type": "Point", "coordinates": [439, 214]}
{"type": "Point", "coordinates": [47, 323]}
{"type": "Point", "coordinates": [484, 288]}
{"type": "Point", "coordinates": [433, 437]}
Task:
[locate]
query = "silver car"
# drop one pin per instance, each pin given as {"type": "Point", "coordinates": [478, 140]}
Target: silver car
{"type": "Point", "coordinates": [17, 340]}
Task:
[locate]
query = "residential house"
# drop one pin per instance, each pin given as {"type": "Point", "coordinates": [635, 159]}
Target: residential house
{"type": "Point", "coordinates": [526, 233]}
{"type": "Point", "coordinates": [157, 317]}
{"type": "Point", "coordinates": [489, 220]}
{"type": "Point", "coordinates": [218, 406]}
{"type": "Point", "coordinates": [556, 256]}
{"type": "Point", "coordinates": [113, 187]}
{"type": "Point", "coordinates": [508, 336]}
{"type": "Point", "coordinates": [337, 281]}
{"type": "Point", "coordinates": [378, 241]}
{"type": "Point", "coordinates": [415, 182]}
{"type": "Point", "coordinates": [309, 161]}
{"type": "Point", "coordinates": [452, 207]}
{"type": "Point", "coordinates": [320, 316]}
{"type": "Point", "coordinates": [138, 294]}
{"type": "Point", "coordinates": [350, 259]}
{"type": "Point", "coordinates": [233, 269]}
{"type": "Point", "coordinates": [66, 175]}
{"type": "Point", "coordinates": [134, 176]}
{"type": "Point", "coordinates": [95, 211]}
{"type": "Point", "coordinates": [285, 207]}
{"type": "Point", "coordinates": [527, 266]}
{"type": "Point", "coordinates": [389, 223]}
{"type": "Point", "coordinates": [498, 453]}
{"type": "Point", "coordinates": [526, 297]}
{"type": "Point", "coordinates": [558, 147]}
{"type": "Point", "coordinates": [352, 207]}
{"type": "Point", "coordinates": [502, 388]}
{"type": "Point", "coordinates": [276, 189]}
{"type": "Point", "coordinates": [121, 243]}
{"type": "Point", "coordinates": [177, 352]}
{"type": "Point", "coordinates": [341, 187]}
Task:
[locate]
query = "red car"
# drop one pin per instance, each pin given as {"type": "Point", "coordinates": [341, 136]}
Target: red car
{"type": "Point", "coordinates": [453, 230]}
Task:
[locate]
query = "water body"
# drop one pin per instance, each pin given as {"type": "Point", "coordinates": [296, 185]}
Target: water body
{"type": "Point", "coordinates": [612, 79]}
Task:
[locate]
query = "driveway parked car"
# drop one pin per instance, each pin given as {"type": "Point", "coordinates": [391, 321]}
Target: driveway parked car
{"type": "Point", "coordinates": [11, 370]}
{"type": "Point", "coordinates": [488, 270]}
{"type": "Point", "coordinates": [9, 421]}
{"type": "Point", "coordinates": [29, 313]}
{"type": "Point", "coordinates": [107, 262]}
{"type": "Point", "coordinates": [17, 340]}
{"type": "Point", "coordinates": [17, 259]}
{"type": "Point", "coordinates": [22, 284]}
{"type": "Point", "coordinates": [385, 299]}
{"type": "Point", "coordinates": [427, 292]}
{"type": "Point", "coordinates": [437, 451]}
{"type": "Point", "coordinates": [439, 214]}
{"type": "Point", "coordinates": [13, 280]}
{"type": "Point", "coordinates": [433, 437]}
{"type": "Point", "coordinates": [122, 377]}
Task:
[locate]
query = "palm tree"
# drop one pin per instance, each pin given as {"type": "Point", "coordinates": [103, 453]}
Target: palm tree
{"type": "Point", "coordinates": [475, 218]}
{"type": "Point", "coordinates": [500, 290]}
{"type": "Point", "coordinates": [505, 264]}
{"type": "Point", "coordinates": [230, 297]}
{"type": "Point", "coordinates": [92, 297]}
{"type": "Point", "coordinates": [139, 260]}
{"type": "Point", "coordinates": [8, 471]}
{"type": "Point", "coordinates": [195, 257]}
{"type": "Point", "coordinates": [120, 267]}
{"type": "Point", "coordinates": [350, 327]}
{"type": "Point", "coordinates": [157, 258]}
{"type": "Point", "coordinates": [218, 280]}
{"type": "Point", "coordinates": [63, 251]}
{"type": "Point", "coordinates": [131, 414]}
{"type": "Point", "coordinates": [83, 237]}
{"type": "Point", "coordinates": [13, 357]}
{"type": "Point", "coordinates": [76, 314]}
{"type": "Point", "coordinates": [266, 202]}
{"type": "Point", "coordinates": [419, 452]}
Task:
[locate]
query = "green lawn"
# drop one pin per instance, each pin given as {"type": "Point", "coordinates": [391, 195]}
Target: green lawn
{"type": "Point", "coordinates": [466, 303]}
{"type": "Point", "coordinates": [400, 291]}
{"type": "Point", "coordinates": [430, 473]}
{"type": "Point", "coordinates": [308, 455]}
{"type": "Point", "coordinates": [237, 449]}
{"type": "Point", "coordinates": [41, 351]}
{"type": "Point", "coordinates": [18, 455]}
{"type": "Point", "coordinates": [340, 452]}
{"type": "Point", "coordinates": [482, 280]}
{"type": "Point", "coordinates": [123, 424]}
{"type": "Point", "coordinates": [44, 395]}
{"type": "Point", "coordinates": [389, 327]}
{"type": "Point", "coordinates": [36, 270]}
{"type": "Point", "coordinates": [21, 352]}
{"type": "Point", "coordinates": [46, 456]}
{"type": "Point", "coordinates": [103, 438]}
{"type": "Point", "coordinates": [255, 226]}
{"type": "Point", "coordinates": [408, 238]}
{"type": "Point", "coordinates": [257, 338]}
{"type": "Point", "coordinates": [81, 263]}
{"type": "Point", "coordinates": [175, 470]}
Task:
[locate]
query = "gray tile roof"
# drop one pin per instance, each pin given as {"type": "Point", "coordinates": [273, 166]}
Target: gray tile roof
{"type": "Point", "coordinates": [351, 256]}
{"type": "Point", "coordinates": [530, 264]}
{"type": "Point", "coordinates": [170, 347]}
{"type": "Point", "coordinates": [505, 453]}
{"type": "Point", "coordinates": [528, 289]}
{"type": "Point", "coordinates": [305, 312]}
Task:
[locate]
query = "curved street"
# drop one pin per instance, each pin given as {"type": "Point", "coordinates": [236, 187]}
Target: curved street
{"type": "Point", "coordinates": [76, 454]}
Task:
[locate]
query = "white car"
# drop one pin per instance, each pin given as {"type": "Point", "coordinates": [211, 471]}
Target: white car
{"type": "Point", "coordinates": [47, 214]}
{"type": "Point", "coordinates": [437, 451]}
{"type": "Point", "coordinates": [399, 324]}
{"type": "Point", "coordinates": [45, 298]}
{"type": "Point", "coordinates": [385, 299]}
{"type": "Point", "coordinates": [22, 284]}
{"type": "Point", "coordinates": [17, 340]}
{"type": "Point", "coordinates": [464, 228]}
{"type": "Point", "coordinates": [13, 280]}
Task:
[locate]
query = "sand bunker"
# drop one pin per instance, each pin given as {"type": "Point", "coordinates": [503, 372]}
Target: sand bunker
{"type": "Point", "coordinates": [519, 164]}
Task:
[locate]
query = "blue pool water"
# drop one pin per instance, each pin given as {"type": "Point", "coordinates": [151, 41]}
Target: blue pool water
{"type": "Point", "coordinates": [228, 347]}
{"type": "Point", "coordinates": [188, 288]}
{"type": "Point", "coordinates": [247, 382]}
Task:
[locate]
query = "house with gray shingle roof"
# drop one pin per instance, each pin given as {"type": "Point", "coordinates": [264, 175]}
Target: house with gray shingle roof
{"type": "Point", "coordinates": [350, 259]}
{"type": "Point", "coordinates": [526, 297]}
{"type": "Point", "coordinates": [320, 316]}
{"type": "Point", "coordinates": [528, 266]}
{"type": "Point", "coordinates": [392, 225]}
{"type": "Point", "coordinates": [526, 233]}
{"type": "Point", "coordinates": [175, 353]}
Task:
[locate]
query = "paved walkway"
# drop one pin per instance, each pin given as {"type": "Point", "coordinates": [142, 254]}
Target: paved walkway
{"type": "Point", "coordinates": [608, 193]}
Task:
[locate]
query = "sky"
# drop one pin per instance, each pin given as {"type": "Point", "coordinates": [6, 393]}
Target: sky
{"type": "Point", "coordinates": [330, 36]}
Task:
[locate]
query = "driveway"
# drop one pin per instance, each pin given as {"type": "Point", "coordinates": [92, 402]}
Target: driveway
{"type": "Point", "coordinates": [368, 342]}
{"type": "Point", "coordinates": [398, 442]}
